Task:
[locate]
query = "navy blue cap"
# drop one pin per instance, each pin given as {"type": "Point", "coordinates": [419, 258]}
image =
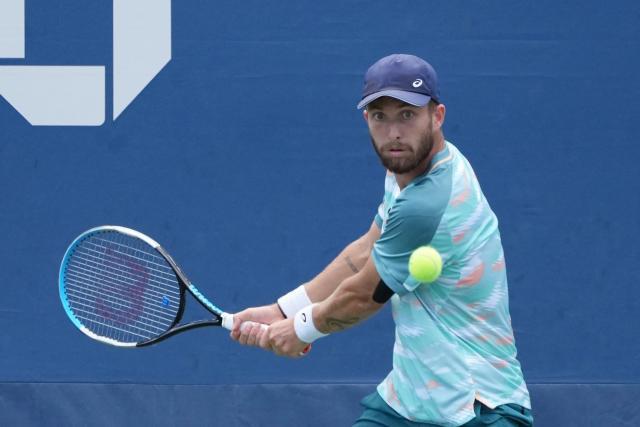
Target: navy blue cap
{"type": "Point", "coordinates": [405, 77]}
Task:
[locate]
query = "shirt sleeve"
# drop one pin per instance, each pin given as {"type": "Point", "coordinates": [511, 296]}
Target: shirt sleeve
{"type": "Point", "coordinates": [412, 222]}
{"type": "Point", "coordinates": [378, 218]}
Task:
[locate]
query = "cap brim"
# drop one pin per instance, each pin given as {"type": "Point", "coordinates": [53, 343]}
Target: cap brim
{"type": "Point", "coordinates": [416, 99]}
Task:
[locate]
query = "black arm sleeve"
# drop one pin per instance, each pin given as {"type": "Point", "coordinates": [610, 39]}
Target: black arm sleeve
{"type": "Point", "coordinates": [382, 293]}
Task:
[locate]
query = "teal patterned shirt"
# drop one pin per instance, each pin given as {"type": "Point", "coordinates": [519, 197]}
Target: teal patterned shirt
{"type": "Point", "coordinates": [453, 339]}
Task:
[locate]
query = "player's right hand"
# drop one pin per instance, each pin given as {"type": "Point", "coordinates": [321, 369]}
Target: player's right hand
{"type": "Point", "coordinates": [251, 334]}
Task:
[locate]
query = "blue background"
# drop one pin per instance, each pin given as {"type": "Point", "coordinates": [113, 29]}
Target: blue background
{"type": "Point", "coordinates": [247, 159]}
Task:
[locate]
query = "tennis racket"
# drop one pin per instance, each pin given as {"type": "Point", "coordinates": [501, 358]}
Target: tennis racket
{"type": "Point", "coordinates": [122, 288]}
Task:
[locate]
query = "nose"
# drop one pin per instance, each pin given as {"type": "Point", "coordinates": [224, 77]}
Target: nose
{"type": "Point", "coordinates": [394, 132]}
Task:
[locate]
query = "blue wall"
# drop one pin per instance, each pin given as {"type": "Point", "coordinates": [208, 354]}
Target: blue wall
{"type": "Point", "coordinates": [247, 160]}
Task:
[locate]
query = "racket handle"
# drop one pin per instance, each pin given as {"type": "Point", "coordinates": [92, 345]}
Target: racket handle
{"type": "Point", "coordinates": [227, 323]}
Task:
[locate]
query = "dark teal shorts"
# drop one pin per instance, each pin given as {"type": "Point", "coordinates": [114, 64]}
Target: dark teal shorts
{"type": "Point", "coordinates": [377, 413]}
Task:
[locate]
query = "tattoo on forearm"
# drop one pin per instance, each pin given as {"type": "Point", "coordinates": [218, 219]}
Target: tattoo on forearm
{"type": "Point", "coordinates": [351, 265]}
{"type": "Point", "coordinates": [335, 324]}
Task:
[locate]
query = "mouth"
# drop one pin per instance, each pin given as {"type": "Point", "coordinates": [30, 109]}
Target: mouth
{"type": "Point", "coordinates": [396, 151]}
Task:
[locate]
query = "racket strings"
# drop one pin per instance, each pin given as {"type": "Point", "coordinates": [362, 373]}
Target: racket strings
{"type": "Point", "coordinates": [93, 262]}
{"type": "Point", "coordinates": [161, 263]}
{"type": "Point", "coordinates": [119, 287]}
{"type": "Point", "coordinates": [118, 305]}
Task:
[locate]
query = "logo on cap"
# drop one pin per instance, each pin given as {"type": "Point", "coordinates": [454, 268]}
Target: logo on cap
{"type": "Point", "coordinates": [417, 83]}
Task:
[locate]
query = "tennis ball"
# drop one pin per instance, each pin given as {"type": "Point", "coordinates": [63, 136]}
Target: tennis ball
{"type": "Point", "coordinates": [425, 264]}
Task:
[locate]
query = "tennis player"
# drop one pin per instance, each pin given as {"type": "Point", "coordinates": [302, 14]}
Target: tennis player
{"type": "Point", "coordinates": [454, 358]}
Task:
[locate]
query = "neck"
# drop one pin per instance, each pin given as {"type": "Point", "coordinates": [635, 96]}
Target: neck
{"type": "Point", "coordinates": [405, 178]}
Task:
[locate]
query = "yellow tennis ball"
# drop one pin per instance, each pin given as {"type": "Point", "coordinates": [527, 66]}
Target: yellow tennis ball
{"type": "Point", "coordinates": [425, 264]}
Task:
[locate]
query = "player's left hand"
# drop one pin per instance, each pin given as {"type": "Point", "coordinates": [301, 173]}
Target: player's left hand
{"type": "Point", "coordinates": [282, 339]}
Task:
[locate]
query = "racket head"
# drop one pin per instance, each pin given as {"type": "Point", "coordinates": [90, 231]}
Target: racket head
{"type": "Point", "coordinates": [119, 287]}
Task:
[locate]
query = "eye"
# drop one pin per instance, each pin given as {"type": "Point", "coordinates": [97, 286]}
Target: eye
{"type": "Point", "coordinates": [407, 115]}
{"type": "Point", "coordinates": [378, 116]}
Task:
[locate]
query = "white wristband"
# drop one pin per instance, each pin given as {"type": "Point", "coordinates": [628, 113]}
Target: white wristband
{"type": "Point", "coordinates": [304, 326]}
{"type": "Point", "coordinates": [295, 300]}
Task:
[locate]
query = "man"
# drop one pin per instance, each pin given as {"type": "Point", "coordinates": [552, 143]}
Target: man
{"type": "Point", "coordinates": [454, 360]}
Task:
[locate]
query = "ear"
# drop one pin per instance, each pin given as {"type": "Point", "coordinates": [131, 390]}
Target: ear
{"type": "Point", "coordinates": [365, 114]}
{"type": "Point", "coordinates": [438, 116]}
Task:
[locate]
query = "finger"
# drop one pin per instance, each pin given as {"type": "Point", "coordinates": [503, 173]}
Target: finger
{"type": "Point", "coordinates": [274, 343]}
{"type": "Point", "coordinates": [242, 339]}
{"type": "Point", "coordinates": [245, 333]}
{"type": "Point", "coordinates": [281, 348]}
{"type": "Point", "coordinates": [236, 331]}
{"type": "Point", "coordinates": [237, 323]}
{"type": "Point", "coordinates": [253, 332]}
{"type": "Point", "coordinates": [263, 340]}
{"type": "Point", "coordinates": [251, 324]}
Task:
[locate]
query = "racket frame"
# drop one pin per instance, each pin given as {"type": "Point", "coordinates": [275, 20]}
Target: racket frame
{"type": "Point", "coordinates": [220, 318]}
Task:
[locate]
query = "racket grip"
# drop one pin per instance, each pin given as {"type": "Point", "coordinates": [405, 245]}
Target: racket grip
{"type": "Point", "coordinates": [227, 322]}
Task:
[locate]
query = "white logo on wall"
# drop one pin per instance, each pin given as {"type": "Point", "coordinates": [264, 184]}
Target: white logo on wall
{"type": "Point", "coordinates": [75, 95]}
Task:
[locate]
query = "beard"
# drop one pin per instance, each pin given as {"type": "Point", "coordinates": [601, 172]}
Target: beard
{"type": "Point", "coordinates": [412, 158]}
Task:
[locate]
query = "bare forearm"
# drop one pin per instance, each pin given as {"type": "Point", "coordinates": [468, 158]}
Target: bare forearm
{"type": "Point", "coordinates": [348, 263]}
{"type": "Point", "coordinates": [350, 303]}
{"type": "Point", "coordinates": [342, 312]}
